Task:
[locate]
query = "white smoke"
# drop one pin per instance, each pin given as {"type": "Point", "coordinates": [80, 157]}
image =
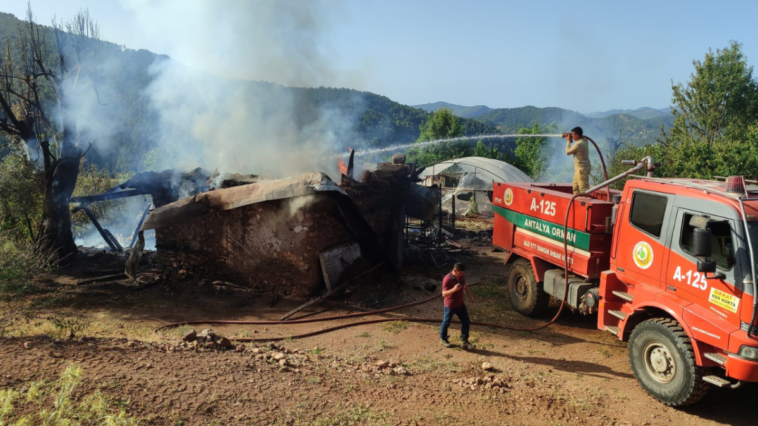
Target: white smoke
{"type": "Point", "coordinates": [216, 113]}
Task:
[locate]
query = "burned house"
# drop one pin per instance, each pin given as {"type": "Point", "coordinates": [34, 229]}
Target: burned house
{"type": "Point", "coordinates": [283, 235]}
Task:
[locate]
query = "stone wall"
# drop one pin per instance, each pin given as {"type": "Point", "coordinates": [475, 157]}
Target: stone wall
{"type": "Point", "coordinates": [272, 245]}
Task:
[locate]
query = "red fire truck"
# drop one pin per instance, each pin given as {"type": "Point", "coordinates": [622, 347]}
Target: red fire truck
{"type": "Point", "coordinates": [667, 264]}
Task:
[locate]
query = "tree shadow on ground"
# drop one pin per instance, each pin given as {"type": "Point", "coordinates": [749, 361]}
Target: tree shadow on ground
{"type": "Point", "coordinates": [571, 366]}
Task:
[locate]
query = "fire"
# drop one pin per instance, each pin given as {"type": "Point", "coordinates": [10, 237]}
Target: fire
{"type": "Point", "coordinates": [343, 166]}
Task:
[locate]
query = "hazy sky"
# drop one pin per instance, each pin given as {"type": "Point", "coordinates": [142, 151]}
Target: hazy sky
{"type": "Point", "coordinates": [581, 55]}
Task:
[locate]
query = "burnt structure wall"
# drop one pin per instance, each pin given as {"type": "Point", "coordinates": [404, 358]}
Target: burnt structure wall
{"type": "Point", "coordinates": [272, 245]}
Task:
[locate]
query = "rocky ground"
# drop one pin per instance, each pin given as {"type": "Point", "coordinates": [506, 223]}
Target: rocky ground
{"type": "Point", "coordinates": [386, 373]}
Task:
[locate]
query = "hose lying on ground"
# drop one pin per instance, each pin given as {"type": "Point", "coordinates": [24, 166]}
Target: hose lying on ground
{"type": "Point", "coordinates": [394, 308]}
{"type": "Point", "coordinates": [352, 324]}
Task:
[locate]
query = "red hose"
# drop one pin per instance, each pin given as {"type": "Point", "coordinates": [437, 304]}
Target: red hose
{"type": "Point", "coordinates": [394, 308]}
{"type": "Point", "coordinates": [412, 319]}
{"type": "Point", "coordinates": [602, 161]}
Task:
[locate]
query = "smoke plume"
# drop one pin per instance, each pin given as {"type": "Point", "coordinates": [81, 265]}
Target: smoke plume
{"type": "Point", "coordinates": [215, 104]}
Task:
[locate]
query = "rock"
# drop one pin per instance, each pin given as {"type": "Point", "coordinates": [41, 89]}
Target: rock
{"type": "Point", "coordinates": [131, 344]}
{"type": "Point", "coordinates": [486, 366]}
{"type": "Point", "coordinates": [28, 345]}
{"type": "Point", "coordinates": [257, 351]}
{"type": "Point", "coordinates": [278, 356]}
{"type": "Point", "coordinates": [284, 362]}
{"type": "Point", "coordinates": [69, 335]}
{"type": "Point", "coordinates": [207, 333]}
{"type": "Point", "coordinates": [298, 229]}
{"type": "Point", "coordinates": [401, 371]}
{"type": "Point", "coordinates": [190, 336]}
{"type": "Point", "coordinates": [241, 348]}
{"type": "Point", "coordinates": [226, 343]}
{"type": "Point", "coordinates": [382, 364]}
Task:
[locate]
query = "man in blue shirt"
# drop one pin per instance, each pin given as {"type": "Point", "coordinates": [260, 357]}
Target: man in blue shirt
{"type": "Point", "coordinates": [453, 287]}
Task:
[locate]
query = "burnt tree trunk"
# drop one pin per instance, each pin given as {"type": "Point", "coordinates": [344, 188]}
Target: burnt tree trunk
{"type": "Point", "coordinates": [60, 180]}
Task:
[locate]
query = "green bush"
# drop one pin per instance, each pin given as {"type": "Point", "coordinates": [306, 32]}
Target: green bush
{"type": "Point", "coordinates": [20, 261]}
{"type": "Point", "coordinates": [21, 197]}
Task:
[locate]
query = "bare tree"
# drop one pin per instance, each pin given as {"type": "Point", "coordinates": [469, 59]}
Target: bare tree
{"type": "Point", "coordinates": [39, 86]}
{"type": "Point", "coordinates": [614, 141]}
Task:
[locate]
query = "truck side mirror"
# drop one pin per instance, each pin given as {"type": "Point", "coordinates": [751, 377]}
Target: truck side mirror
{"type": "Point", "coordinates": [701, 242]}
{"type": "Point", "coordinates": [704, 266]}
{"type": "Point", "coordinates": [701, 247]}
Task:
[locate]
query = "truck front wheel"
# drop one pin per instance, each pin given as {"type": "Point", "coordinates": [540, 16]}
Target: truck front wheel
{"type": "Point", "coordinates": [663, 361]}
{"type": "Point", "coordinates": [526, 294]}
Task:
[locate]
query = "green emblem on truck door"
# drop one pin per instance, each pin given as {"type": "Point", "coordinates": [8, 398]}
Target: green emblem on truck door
{"type": "Point", "coordinates": [643, 255]}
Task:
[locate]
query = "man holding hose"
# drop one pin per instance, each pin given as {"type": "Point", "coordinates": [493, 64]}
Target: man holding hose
{"type": "Point", "coordinates": [453, 287]}
{"type": "Point", "coordinates": [581, 153]}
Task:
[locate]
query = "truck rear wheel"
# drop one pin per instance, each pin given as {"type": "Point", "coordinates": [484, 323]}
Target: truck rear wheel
{"type": "Point", "coordinates": [526, 294]}
{"type": "Point", "coordinates": [663, 361]}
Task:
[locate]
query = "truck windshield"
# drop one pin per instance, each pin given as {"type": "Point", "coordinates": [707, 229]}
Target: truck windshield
{"type": "Point", "coordinates": [752, 228]}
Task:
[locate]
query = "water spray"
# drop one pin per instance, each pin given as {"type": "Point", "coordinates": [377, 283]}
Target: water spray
{"type": "Point", "coordinates": [458, 139]}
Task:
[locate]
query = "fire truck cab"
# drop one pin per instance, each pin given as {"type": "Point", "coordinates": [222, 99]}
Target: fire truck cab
{"type": "Point", "coordinates": [667, 264]}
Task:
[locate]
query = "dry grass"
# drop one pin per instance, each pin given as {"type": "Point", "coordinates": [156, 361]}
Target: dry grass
{"type": "Point", "coordinates": [473, 225]}
{"type": "Point", "coordinates": [54, 404]}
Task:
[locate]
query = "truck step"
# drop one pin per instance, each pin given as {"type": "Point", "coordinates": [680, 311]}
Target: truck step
{"type": "Point", "coordinates": [618, 314]}
{"type": "Point", "coordinates": [613, 329]}
{"type": "Point", "coordinates": [717, 381]}
{"type": "Point", "coordinates": [623, 295]}
{"type": "Point", "coordinates": [718, 358]}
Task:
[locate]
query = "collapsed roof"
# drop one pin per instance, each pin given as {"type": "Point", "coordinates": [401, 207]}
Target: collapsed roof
{"type": "Point", "coordinates": [239, 196]}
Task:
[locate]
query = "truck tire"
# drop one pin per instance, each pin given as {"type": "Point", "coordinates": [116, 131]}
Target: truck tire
{"type": "Point", "coordinates": [527, 295]}
{"type": "Point", "coordinates": [662, 360]}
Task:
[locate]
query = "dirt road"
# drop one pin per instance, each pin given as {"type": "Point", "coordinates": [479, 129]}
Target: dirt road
{"type": "Point", "coordinates": [391, 373]}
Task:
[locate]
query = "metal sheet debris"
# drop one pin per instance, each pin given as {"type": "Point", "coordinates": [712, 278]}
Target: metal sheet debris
{"type": "Point", "coordinates": [336, 259]}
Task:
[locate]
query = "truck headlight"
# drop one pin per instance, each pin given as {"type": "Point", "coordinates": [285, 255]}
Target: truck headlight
{"type": "Point", "coordinates": [748, 352]}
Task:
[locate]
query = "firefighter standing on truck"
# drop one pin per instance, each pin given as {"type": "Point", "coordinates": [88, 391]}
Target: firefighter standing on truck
{"type": "Point", "coordinates": [581, 154]}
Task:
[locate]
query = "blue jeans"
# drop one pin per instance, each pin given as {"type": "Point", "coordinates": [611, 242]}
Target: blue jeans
{"type": "Point", "coordinates": [462, 314]}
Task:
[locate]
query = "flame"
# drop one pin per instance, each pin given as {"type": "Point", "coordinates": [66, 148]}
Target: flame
{"type": "Point", "coordinates": [343, 167]}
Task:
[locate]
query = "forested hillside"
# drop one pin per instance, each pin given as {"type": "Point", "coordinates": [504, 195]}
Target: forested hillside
{"type": "Point", "coordinates": [375, 121]}
{"type": "Point", "coordinates": [633, 130]}
{"type": "Point", "coordinates": [459, 110]}
{"type": "Point", "coordinates": [638, 127]}
{"type": "Point", "coordinates": [642, 113]}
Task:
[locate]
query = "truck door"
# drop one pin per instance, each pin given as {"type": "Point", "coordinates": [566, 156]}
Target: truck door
{"type": "Point", "coordinates": [715, 295]}
{"type": "Point", "coordinates": [641, 253]}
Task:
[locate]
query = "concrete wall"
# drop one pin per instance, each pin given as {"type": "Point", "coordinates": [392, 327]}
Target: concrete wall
{"type": "Point", "coordinates": [271, 245]}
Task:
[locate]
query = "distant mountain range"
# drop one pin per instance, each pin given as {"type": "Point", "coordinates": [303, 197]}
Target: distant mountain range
{"type": "Point", "coordinates": [479, 110]}
{"type": "Point", "coordinates": [639, 127]}
{"type": "Point", "coordinates": [643, 113]}
{"type": "Point", "coordinates": [459, 110]}
{"type": "Point", "coordinates": [374, 121]}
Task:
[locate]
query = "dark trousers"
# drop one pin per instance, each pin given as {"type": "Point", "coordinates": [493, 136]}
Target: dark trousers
{"type": "Point", "coordinates": [462, 314]}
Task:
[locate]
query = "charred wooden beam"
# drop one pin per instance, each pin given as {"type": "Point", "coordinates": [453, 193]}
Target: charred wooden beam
{"type": "Point", "coordinates": [350, 164]}
{"type": "Point", "coordinates": [105, 196]}
{"type": "Point", "coordinates": [139, 225]}
{"type": "Point", "coordinates": [114, 245]}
